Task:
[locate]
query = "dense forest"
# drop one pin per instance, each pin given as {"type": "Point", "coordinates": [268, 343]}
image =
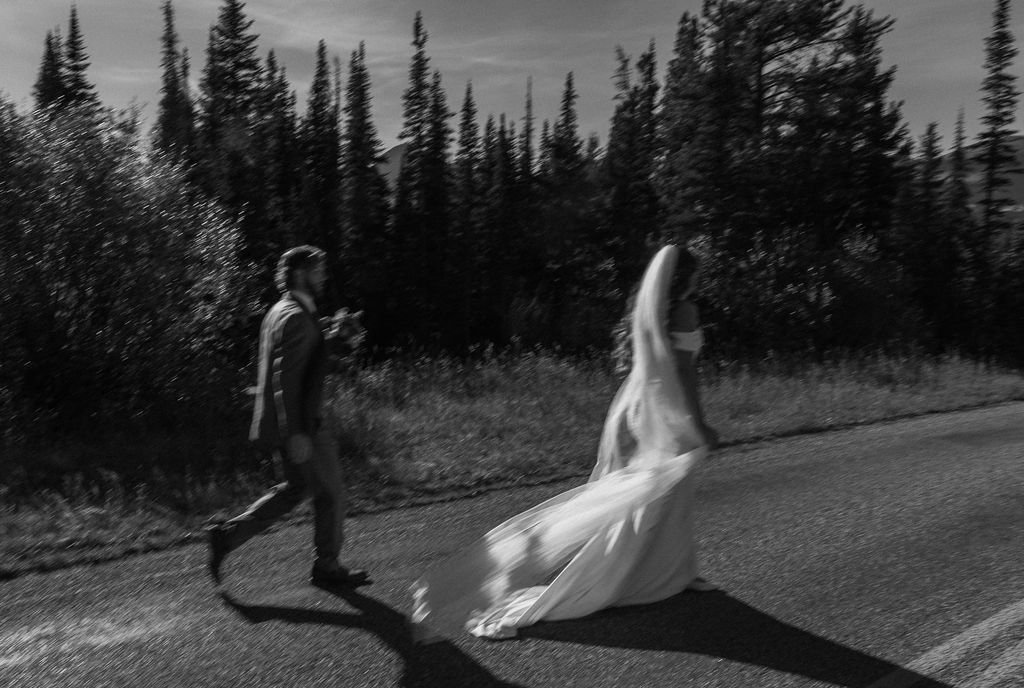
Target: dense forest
{"type": "Point", "coordinates": [136, 259]}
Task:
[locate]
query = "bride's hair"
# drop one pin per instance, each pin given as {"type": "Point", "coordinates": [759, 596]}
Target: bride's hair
{"type": "Point", "coordinates": [687, 265]}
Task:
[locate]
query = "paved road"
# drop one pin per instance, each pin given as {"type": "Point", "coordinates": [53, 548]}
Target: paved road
{"type": "Point", "coordinates": [878, 557]}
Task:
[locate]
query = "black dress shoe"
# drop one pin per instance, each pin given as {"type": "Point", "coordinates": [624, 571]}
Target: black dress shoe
{"type": "Point", "coordinates": [339, 578]}
{"type": "Point", "coordinates": [217, 536]}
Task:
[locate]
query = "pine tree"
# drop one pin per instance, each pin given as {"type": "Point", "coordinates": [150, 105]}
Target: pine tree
{"type": "Point", "coordinates": [231, 78]}
{"type": "Point", "coordinates": [633, 210]}
{"type": "Point", "coordinates": [566, 146]}
{"type": "Point", "coordinates": [420, 222]}
{"type": "Point", "coordinates": [681, 117]}
{"type": "Point", "coordinates": [78, 89]}
{"type": "Point", "coordinates": [468, 252]}
{"type": "Point", "coordinates": [996, 157]}
{"type": "Point", "coordinates": [526, 155]}
{"type": "Point", "coordinates": [435, 238]}
{"type": "Point", "coordinates": [175, 122]}
{"type": "Point", "coordinates": [230, 91]}
{"type": "Point", "coordinates": [364, 207]}
{"type": "Point", "coordinates": [927, 247]}
{"type": "Point", "coordinates": [276, 167]}
{"type": "Point", "coordinates": [779, 148]}
{"type": "Point", "coordinates": [465, 173]}
{"type": "Point", "coordinates": [962, 223]}
{"type": "Point", "coordinates": [544, 151]}
{"type": "Point", "coordinates": [320, 140]}
{"type": "Point", "coordinates": [49, 88]}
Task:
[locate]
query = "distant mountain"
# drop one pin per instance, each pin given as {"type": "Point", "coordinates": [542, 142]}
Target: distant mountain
{"type": "Point", "coordinates": [1016, 188]}
{"type": "Point", "coordinates": [393, 161]}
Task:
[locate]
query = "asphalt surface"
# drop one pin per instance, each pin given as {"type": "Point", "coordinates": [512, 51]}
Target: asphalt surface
{"type": "Point", "coordinates": [883, 556]}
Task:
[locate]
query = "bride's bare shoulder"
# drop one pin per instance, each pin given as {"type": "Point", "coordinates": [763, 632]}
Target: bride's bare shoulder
{"type": "Point", "coordinates": [684, 316]}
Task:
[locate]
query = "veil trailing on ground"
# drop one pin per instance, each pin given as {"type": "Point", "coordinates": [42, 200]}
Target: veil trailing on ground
{"type": "Point", "coordinates": [572, 554]}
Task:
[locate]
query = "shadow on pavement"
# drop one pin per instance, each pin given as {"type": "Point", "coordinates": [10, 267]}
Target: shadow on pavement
{"type": "Point", "coordinates": [717, 625]}
{"type": "Point", "coordinates": [424, 666]}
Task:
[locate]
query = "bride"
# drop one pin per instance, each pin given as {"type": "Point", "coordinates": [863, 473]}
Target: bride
{"type": "Point", "coordinates": [626, 536]}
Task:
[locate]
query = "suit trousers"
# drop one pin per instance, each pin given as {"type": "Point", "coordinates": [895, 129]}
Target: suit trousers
{"type": "Point", "coordinates": [319, 478]}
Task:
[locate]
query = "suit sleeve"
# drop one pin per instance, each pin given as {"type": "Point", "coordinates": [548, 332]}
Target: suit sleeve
{"type": "Point", "coordinates": [289, 375]}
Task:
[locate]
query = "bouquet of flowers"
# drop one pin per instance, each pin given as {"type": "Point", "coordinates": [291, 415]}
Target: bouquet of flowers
{"type": "Point", "coordinates": [343, 335]}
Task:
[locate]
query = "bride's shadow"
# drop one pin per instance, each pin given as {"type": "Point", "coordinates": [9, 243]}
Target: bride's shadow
{"type": "Point", "coordinates": [423, 666]}
{"type": "Point", "coordinates": [718, 625]}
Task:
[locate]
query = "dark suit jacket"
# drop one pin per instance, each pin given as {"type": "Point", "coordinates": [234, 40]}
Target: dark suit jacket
{"type": "Point", "coordinates": [290, 382]}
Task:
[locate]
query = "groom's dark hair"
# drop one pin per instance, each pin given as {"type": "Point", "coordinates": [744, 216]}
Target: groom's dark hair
{"type": "Point", "coordinates": [298, 258]}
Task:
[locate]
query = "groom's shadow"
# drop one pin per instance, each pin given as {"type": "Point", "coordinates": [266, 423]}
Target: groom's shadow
{"type": "Point", "coordinates": [718, 625]}
{"type": "Point", "coordinates": [423, 666]}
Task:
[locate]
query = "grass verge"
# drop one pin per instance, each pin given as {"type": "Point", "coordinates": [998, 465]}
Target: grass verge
{"type": "Point", "coordinates": [435, 429]}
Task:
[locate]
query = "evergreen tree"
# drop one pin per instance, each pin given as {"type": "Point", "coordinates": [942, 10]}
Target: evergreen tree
{"type": "Point", "coordinates": [632, 206]}
{"type": "Point", "coordinates": [780, 147]}
{"type": "Point", "coordinates": [467, 160]}
{"type": "Point", "coordinates": [681, 116]}
{"type": "Point", "coordinates": [565, 143]}
{"type": "Point", "coordinates": [320, 140]}
{"type": "Point", "coordinates": [435, 237]}
{"type": "Point", "coordinates": [276, 167]}
{"type": "Point", "coordinates": [364, 203]}
{"type": "Point", "coordinates": [230, 84]}
{"type": "Point", "coordinates": [927, 248]}
{"type": "Point", "coordinates": [50, 86]}
{"type": "Point", "coordinates": [526, 155]}
{"type": "Point", "coordinates": [958, 210]}
{"type": "Point", "coordinates": [230, 90]}
{"type": "Point", "coordinates": [175, 119]}
{"type": "Point", "coordinates": [466, 249]}
{"type": "Point", "coordinates": [78, 89]}
{"type": "Point", "coordinates": [419, 226]}
{"type": "Point", "coordinates": [996, 157]}
{"type": "Point", "coordinates": [405, 227]}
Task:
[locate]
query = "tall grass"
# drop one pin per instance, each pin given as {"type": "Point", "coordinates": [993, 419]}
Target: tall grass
{"type": "Point", "coordinates": [431, 428]}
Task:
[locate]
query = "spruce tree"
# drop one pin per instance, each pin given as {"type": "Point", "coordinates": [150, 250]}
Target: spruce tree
{"type": "Point", "coordinates": [364, 203]}
{"type": "Point", "coordinates": [320, 141]}
{"type": "Point", "coordinates": [566, 146]}
{"type": "Point", "coordinates": [50, 86]}
{"type": "Point", "coordinates": [436, 242]}
{"type": "Point", "coordinates": [230, 90]}
{"type": "Point", "coordinates": [526, 154]}
{"type": "Point", "coordinates": [928, 248]}
{"type": "Point", "coordinates": [231, 79]}
{"type": "Point", "coordinates": [465, 174]}
{"type": "Point", "coordinates": [996, 157]}
{"type": "Point", "coordinates": [420, 222]}
{"type": "Point", "coordinates": [962, 223]}
{"type": "Point", "coordinates": [276, 168]}
{"type": "Point", "coordinates": [175, 123]}
{"type": "Point", "coordinates": [78, 89]}
{"type": "Point", "coordinates": [544, 151]}
{"type": "Point", "coordinates": [632, 207]}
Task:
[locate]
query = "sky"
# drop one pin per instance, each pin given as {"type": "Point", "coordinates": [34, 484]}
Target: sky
{"type": "Point", "coordinates": [937, 46]}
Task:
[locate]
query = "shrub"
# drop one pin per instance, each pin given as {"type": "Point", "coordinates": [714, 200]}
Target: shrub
{"type": "Point", "coordinates": [122, 295]}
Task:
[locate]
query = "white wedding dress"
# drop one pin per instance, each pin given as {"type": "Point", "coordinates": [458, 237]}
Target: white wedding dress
{"type": "Point", "coordinates": [625, 537]}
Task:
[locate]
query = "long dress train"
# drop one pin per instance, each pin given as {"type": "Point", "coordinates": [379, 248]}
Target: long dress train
{"type": "Point", "coordinates": [624, 537]}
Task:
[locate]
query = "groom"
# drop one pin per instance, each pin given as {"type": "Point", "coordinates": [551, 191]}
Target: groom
{"type": "Point", "coordinates": [286, 421]}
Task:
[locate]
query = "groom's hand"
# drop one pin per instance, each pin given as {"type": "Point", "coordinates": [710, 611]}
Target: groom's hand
{"type": "Point", "coordinates": [300, 448]}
